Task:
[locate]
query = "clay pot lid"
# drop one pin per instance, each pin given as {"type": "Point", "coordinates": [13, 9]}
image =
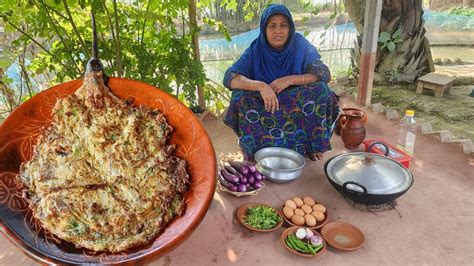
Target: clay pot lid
{"type": "Point", "coordinates": [342, 235]}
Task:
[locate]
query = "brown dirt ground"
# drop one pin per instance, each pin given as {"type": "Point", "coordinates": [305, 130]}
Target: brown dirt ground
{"type": "Point", "coordinates": [431, 225]}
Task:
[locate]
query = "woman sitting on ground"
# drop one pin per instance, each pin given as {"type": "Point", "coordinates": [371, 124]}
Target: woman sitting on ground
{"type": "Point", "coordinates": [279, 93]}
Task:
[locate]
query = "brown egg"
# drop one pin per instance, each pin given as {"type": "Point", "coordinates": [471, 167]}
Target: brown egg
{"type": "Point", "coordinates": [318, 215]}
{"type": "Point", "coordinates": [298, 219]}
{"type": "Point", "coordinates": [319, 207]}
{"type": "Point", "coordinates": [288, 212]}
{"type": "Point", "coordinates": [309, 201]}
{"type": "Point", "coordinates": [291, 204]}
{"type": "Point", "coordinates": [298, 201]}
{"type": "Point", "coordinates": [310, 220]}
{"type": "Point", "coordinates": [299, 212]}
{"type": "Point", "coordinates": [306, 208]}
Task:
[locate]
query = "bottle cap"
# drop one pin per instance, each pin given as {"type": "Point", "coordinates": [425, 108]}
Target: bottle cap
{"type": "Point", "coordinates": [410, 113]}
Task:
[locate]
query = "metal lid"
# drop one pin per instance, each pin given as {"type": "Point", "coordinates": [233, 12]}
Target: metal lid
{"type": "Point", "coordinates": [376, 173]}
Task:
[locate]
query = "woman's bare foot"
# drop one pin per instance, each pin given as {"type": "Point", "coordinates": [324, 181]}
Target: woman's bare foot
{"type": "Point", "coordinates": [315, 156]}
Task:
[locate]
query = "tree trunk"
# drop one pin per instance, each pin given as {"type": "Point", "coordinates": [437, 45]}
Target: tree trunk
{"type": "Point", "coordinates": [194, 30]}
{"type": "Point", "coordinates": [411, 57]}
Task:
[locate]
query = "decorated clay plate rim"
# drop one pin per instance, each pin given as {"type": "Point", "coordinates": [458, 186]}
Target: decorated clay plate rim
{"type": "Point", "coordinates": [172, 235]}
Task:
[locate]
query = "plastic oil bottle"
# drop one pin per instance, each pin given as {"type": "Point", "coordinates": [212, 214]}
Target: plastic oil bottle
{"type": "Point", "coordinates": [407, 133]}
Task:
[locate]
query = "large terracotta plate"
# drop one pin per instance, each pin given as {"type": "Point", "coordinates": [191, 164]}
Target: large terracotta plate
{"type": "Point", "coordinates": [18, 135]}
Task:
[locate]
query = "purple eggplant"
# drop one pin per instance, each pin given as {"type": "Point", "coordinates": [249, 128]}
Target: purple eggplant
{"type": "Point", "coordinates": [251, 180]}
{"type": "Point", "coordinates": [258, 176]}
{"type": "Point", "coordinates": [250, 166]}
{"type": "Point", "coordinates": [232, 170]}
{"type": "Point", "coordinates": [239, 166]}
{"type": "Point", "coordinates": [229, 177]}
{"type": "Point", "coordinates": [228, 185]}
{"type": "Point", "coordinates": [242, 188]}
{"type": "Point", "coordinates": [243, 180]}
{"type": "Point", "coordinates": [257, 185]}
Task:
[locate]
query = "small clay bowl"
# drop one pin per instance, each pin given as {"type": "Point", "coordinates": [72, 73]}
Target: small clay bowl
{"type": "Point", "coordinates": [292, 230]}
{"type": "Point", "coordinates": [341, 235]}
{"type": "Point", "coordinates": [318, 226]}
{"type": "Point", "coordinates": [242, 212]}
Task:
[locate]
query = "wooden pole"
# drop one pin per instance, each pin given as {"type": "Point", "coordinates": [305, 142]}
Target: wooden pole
{"type": "Point", "coordinates": [373, 10]}
{"type": "Point", "coordinates": [195, 39]}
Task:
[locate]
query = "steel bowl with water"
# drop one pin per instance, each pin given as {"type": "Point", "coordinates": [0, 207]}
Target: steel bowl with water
{"type": "Point", "coordinates": [280, 165]}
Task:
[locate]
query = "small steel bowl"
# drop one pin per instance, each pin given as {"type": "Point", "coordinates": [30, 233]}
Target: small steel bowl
{"type": "Point", "coordinates": [280, 165]}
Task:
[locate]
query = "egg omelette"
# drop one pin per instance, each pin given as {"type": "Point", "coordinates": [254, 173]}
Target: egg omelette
{"type": "Point", "coordinates": [102, 175]}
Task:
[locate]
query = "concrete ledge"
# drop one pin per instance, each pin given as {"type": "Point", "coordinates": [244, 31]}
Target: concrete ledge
{"type": "Point", "coordinates": [444, 135]}
{"type": "Point", "coordinates": [466, 144]}
{"type": "Point", "coordinates": [377, 108]}
{"type": "Point", "coordinates": [391, 114]}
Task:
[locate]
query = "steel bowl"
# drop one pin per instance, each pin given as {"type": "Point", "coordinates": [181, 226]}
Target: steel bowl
{"type": "Point", "coordinates": [280, 165]}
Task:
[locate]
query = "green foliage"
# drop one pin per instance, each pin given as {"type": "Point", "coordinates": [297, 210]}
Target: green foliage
{"type": "Point", "coordinates": [390, 41]}
{"type": "Point", "coordinates": [143, 40]}
{"type": "Point", "coordinates": [463, 11]}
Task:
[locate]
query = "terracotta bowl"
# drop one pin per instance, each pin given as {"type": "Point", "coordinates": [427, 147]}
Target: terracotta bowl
{"type": "Point", "coordinates": [18, 135]}
{"type": "Point", "coordinates": [292, 230]}
{"type": "Point", "coordinates": [343, 235]}
{"type": "Point", "coordinates": [318, 226]}
{"type": "Point", "coordinates": [242, 212]}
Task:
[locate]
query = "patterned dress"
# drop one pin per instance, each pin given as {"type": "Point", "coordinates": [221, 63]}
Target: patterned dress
{"type": "Point", "coordinates": [303, 123]}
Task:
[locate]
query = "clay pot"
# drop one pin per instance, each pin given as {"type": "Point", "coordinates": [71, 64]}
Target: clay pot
{"type": "Point", "coordinates": [341, 119]}
{"type": "Point", "coordinates": [353, 129]}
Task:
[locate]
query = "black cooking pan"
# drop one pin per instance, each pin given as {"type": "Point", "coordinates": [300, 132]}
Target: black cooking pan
{"type": "Point", "coordinates": [367, 177]}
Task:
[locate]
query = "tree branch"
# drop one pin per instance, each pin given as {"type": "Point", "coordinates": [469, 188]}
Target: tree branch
{"type": "Point", "coordinates": [75, 29]}
{"type": "Point", "coordinates": [117, 42]}
{"type": "Point", "coordinates": [144, 22]}
{"type": "Point", "coordinates": [55, 11]}
{"type": "Point", "coordinates": [60, 36]}
{"type": "Point", "coordinates": [39, 44]}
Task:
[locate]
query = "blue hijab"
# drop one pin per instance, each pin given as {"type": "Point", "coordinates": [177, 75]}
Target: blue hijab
{"type": "Point", "coordinates": [261, 62]}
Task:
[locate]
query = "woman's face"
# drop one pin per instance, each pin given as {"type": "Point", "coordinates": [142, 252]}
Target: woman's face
{"type": "Point", "coordinates": [277, 31]}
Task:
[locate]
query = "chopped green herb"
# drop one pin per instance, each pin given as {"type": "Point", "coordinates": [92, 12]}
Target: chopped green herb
{"type": "Point", "coordinates": [77, 228]}
{"type": "Point", "coordinates": [262, 217]}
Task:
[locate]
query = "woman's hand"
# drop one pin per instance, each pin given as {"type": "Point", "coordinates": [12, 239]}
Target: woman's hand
{"type": "Point", "coordinates": [269, 97]}
{"type": "Point", "coordinates": [279, 84]}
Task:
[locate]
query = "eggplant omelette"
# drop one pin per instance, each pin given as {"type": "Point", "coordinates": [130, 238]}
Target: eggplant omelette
{"type": "Point", "coordinates": [102, 175]}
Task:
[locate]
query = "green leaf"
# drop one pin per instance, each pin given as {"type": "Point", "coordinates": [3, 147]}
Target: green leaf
{"type": "Point", "coordinates": [384, 37]}
{"type": "Point", "coordinates": [306, 33]}
{"type": "Point", "coordinates": [391, 46]}
{"type": "Point", "coordinates": [397, 40]}
{"type": "Point", "coordinates": [397, 33]}
{"type": "Point", "coordinates": [333, 15]}
{"type": "Point", "coordinates": [304, 19]}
